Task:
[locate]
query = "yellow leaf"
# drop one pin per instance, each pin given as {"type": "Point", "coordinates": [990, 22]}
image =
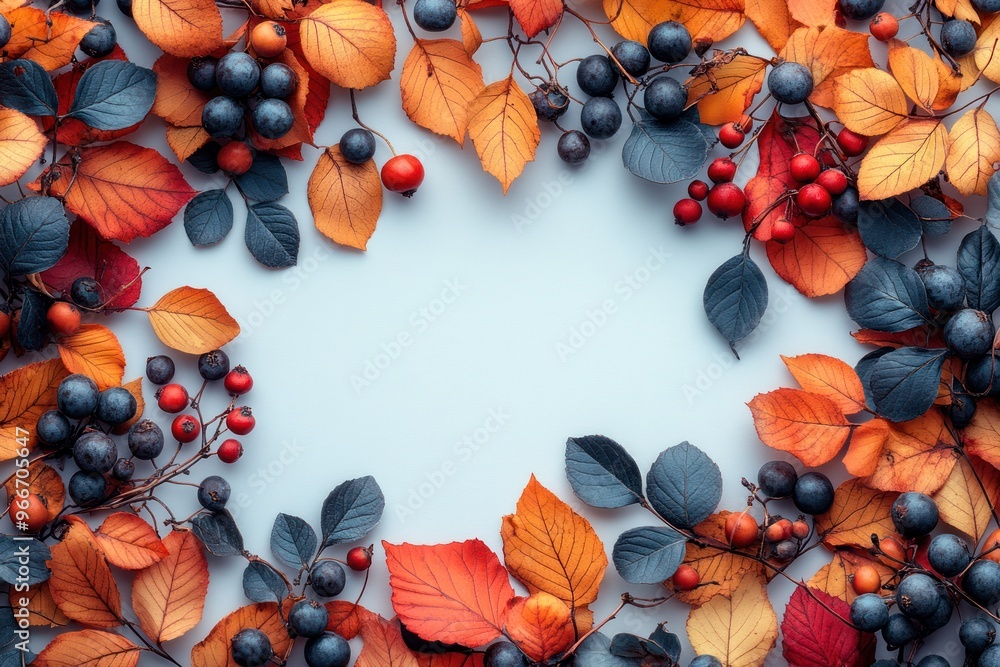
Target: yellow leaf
{"type": "Point", "coordinates": [95, 352]}
{"type": "Point", "coordinates": [829, 53]}
{"type": "Point", "coordinates": [916, 72]}
{"type": "Point", "coordinates": [959, 9]}
{"type": "Point", "coordinates": [184, 141]}
{"type": "Point", "coordinates": [987, 51]}
{"type": "Point", "coordinates": [89, 648]}
{"type": "Point", "coordinates": [906, 158]}
{"type": "Point", "coordinates": [974, 149]}
{"type": "Point", "coordinates": [182, 28]}
{"type": "Point", "coordinates": [857, 512]}
{"type": "Point", "coordinates": [438, 82]}
{"type": "Point", "coordinates": [812, 13]}
{"type": "Point", "coordinates": [472, 39]}
{"type": "Point", "coordinates": [961, 500]}
{"type": "Point", "coordinates": [192, 320]}
{"type": "Point", "coordinates": [350, 42]}
{"type": "Point", "coordinates": [169, 597]}
{"type": "Point", "coordinates": [724, 88]}
{"type": "Point", "coordinates": [740, 631]}
{"type": "Point", "coordinates": [551, 549]}
{"type": "Point", "coordinates": [345, 199]}
{"type": "Point", "coordinates": [25, 393]}
{"type": "Point", "coordinates": [504, 129]}
{"type": "Point", "coordinates": [869, 101]}
{"type": "Point", "coordinates": [708, 19]}
{"type": "Point", "coordinates": [21, 144]}
{"type": "Point", "coordinates": [633, 19]}
{"type": "Point", "coordinates": [918, 456]}
{"type": "Point", "coordinates": [834, 578]}
{"type": "Point", "coordinates": [772, 20]}
{"type": "Point", "coordinates": [830, 377]}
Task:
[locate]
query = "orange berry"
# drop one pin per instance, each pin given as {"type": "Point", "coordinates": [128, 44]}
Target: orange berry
{"type": "Point", "coordinates": [268, 39]}
{"type": "Point", "coordinates": [63, 318]}
{"type": "Point", "coordinates": [992, 541]}
{"type": "Point", "coordinates": [884, 26]}
{"type": "Point", "coordinates": [235, 158]}
{"type": "Point", "coordinates": [866, 579]}
{"type": "Point", "coordinates": [894, 553]}
{"type": "Point", "coordinates": [28, 514]}
{"type": "Point", "coordinates": [685, 578]}
{"type": "Point", "coordinates": [800, 530]}
{"type": "Point", "coordinates": [778, 531]}
{"type": "Point", "coordinates": [741, 529]}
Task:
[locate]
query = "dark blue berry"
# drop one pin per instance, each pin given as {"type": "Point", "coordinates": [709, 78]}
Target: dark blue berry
{"type": "Point", "coordinates": [213, 365]}
{"type": "Point", "coordinates": [813, 493]}
{"type": "Point", "coordinates": [85, 292]}
{"type": "Point", "coordinates": [914, 514]}
{"type": "Point", "coordinates": [53, 429]}
{"type": "Point", "coordinates": [328, 650]}
{"type": "Point", "coordinates": [958, 37]}
{"type": "Point", "coordinates": [945, 287]}
{"type": "Point", "coordinates": [940, 617]}
{"type": "Point", "coordinates": [917, 595]}
{"type": "Point", "coordinates": [933, 661]}
{"type": "Point", "coordinates": [981, 582]}
{"type": "Point", "coordinates": [116, 405]}
{"type": "Point", "coordinates": [237, 74]}
{"type": "Point", "coordinates": [99, 40]}
{"type": "Point", "coordinates": [125, 7]}
{"type": "Point", "coordinates": [777, 479]}
{"type": "Point", "coordinates": [963, 405]}
{"type": "Point", "coordinates": [251, 648]}
{"type": "Point", "coordinates": [633, 57]}
{"type": "Point", "coordinates": [601, 117]}
{"type": "Point", "coordinates": [550, 102]}
{"type": "Point", "coordinates": [900, 630]}
{"type": "Point", "coordinates": [990, 657]}
{"type": "Point", "coordinates": [94, 452]}
{"type": "Point", "coordinates": [987, 6]}
{"type": "Point", "coordinates": [669, 42]}
{"type": "Point", "coordinates": [357, 145]}
{"type": "Point", "coordinates": [597, 76]}
{"type": "Point", "coordinates": [81, 6]}
{"type": "Point", "coordinates": [790, 83]}
{"type": "Point", "coordinates": [435, 15]}
{"type": "Point", "coordinates": [327, 578]}
{"type": "Point", "coordinates": [969, 333]}
{"type": "Point", "coordinates": [948, 554]}
{"type": "Point", "coordinates": [573, 147]}
{"type": "Point", "coordinates": [5, 31]}
{"type": "Point", "coordinates": [222, 117]}
{"type": "Point", "coordinates": [308, 618]}
{"type": "Point", "coordinates": [213, 493]}
{"type": "Point", "coordinates": [976, 634]}
{"type": "Point", "coordinates": [278, 80]}
{"type": "Point", "coordinates": [123, 470]}
{"type": "Point", "coordinates": [273, 118]}
{"type": "Point", "coordinates": [845, 206]}
{"type": "Point", "coordinates": [869, 612]}
{"type": "Point", "coordinates": [77, 396]}
{"type": "Point", "coordinates": [160, 369]}
{"type": "Point", "coordinates": [705, 661]}
{"type": "Point", "coordinates": [861, 10]}
{"type": "Point", "coordinates": [201, 72]}
{"type": "Point", "coordinates": [665, 98]}
{"type": "Point", "coordinates": [505, 654]}
{"type": "Point", "coordinates": [145, 440]}
{"type": "Point", "coordinates": [87, 488]}
{"type": "Point", "coordinates": [982, 375]}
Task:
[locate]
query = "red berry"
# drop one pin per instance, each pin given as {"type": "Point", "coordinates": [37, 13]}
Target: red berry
{"type": "Point", "coordinates": [185, 428]}
{"type": "Point", "coordinates": [722, 170]}
{"type": "Point", "coordinates": [813, 200]}
{"type": "Point", "coordinates": [804, 168]}
{"type": "Point", "coordinates": [403, 174]}
{"type": "Point", "coordinates": [800, 530]}
{"type": "Point", "coordinates": [741, 529]}
{"type": "Point", "coordinates": [726, 200]}
{"type": "Point", "coordinates": [172, 397]}
{"type": "Point", "coordinates": [687, 212]}
{"type": "Point", "coordinates": [238, 381]}
{"type": "Point", "coordinates": [240, 420]}
{"type": "Point", "coordinates": [851, 144]}
{"type": "Point", "coordinates": [230, 451]}
{"type": "Point", "coordinates": [359, 559]}
{"type": "Point", "coordinates": [686, 578]}
{"type": "Point", "coordinates": [731, 135]}
{"type": "Point", "coordinates": [63, 318]}
{"type": "Point", "coordinates": [884, 26]}
{"type": "Point", "coordinates": [698, 190]}
{"type": "Point", "coordinates": [746, 123]}
{"type": "Point", "coordinates": [235, 158]}
{"type": "Point", "coordinates": [779, 531]}
{"type": "Point", "coordinates": [834, 181]}
{"type": "Point", "coordinates": [782, 231]}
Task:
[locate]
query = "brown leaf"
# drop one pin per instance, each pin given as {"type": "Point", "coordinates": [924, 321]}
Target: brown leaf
{"type": "Point", "coordinates": [26, 393]}
{"type": "Point", "coordinates": [129, 542]}
{"type": "Point", "coordinates": [962, 502]}
{"type": "Point", "coordinates": [345, 199]}
{"type": "Point", "coordinates": [82, 584]}
{"type": "Point", "coordinates": [857, 512]}
{"type": "Point", "coordinates": [724, 89]}
{"type": "Point", "coordinates": [21, 144]}
{"type": "Point", "coordinates": [169, 597]}
{"type": "Point", "coordinates": [721, 572]}
{"type": "Point", "coordinates": [772, 20]}
{"type": "Point", "coordinates": [89, 648]}
{"type": "Point", "coordinates": [918, 456]}
{"type": "Point", "coordinates": [834, 578]}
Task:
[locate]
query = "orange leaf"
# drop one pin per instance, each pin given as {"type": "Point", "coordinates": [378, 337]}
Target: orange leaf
{"type": "Point", "coordinates": [982, 435]}
{"type": "Point", "coordinates": [384, 645]}
{"type": "Point", "coordinates": [906, 158]}
{"type": "Point", "coordinates": [451, 659]}
{"type": "Point", "coordinates": [834, 578]}
{"type": "Point", "coordinates": [95, 352]}
{"type": "Point", "coordinates": [865, 449]}
{"type": "Point", "coordinates": [916, 72]}
{"type": "Point", "coordinates": [869, 101]}
{"type": "Point", "coordinates": [974, 149]}
{"type": "Point", "coordinates": [551, 549]}
{"type": "Point", "coordinates": [959, 9]}
{"type": "Point", "coordinates": [213, 651]}
{"type": "Point", "coordinates": [708, 19]}
{"type": "Point", "coordinates": [910, 338]}
{"type": "Point", "coordinates": [721, 572]}
{"type": "Point", "coordinates": [986, 56]}
{"type": "Point", "coordinates": [89, 648]}
{"type": "Point", "coordinates": [829, 53]}
{"type": "Point", "coordinates": [961, 501]}
{"type": "Point", "coordinates": [740, 631]}
{"type": "Point", "coordinates": [830, 377]}
{"type": "Point", "coordinates": [135, 388]}
{"type": "Point", "coordinates": [536, 15]}
{"type": "Point", "coordinates": [25, 393]}
{"type": "Point", "coordinates": [472, 39]}
{"type": "Point", "coordinates": [350, 42]}
{"type": "Point", "coordinates": [345, 198]}
{"type": "Point", "coordinates": [192, 320]}
{"type": "Point", "coordinates": [21, 144]}
{"type": "Point", "coordinates": [346, 618]}
{"type": "Point", "coordinates": [169, 597]}
{"type": "Point", "coordinates": [918, 456]}
{"type": "Point", "coordinates": [455, 593]}
{"type": "Point", "coordinates": [43, 481]}
{"type": "Point", "coordinates": [633, 19]}
{"type": "Point", "coordinates": [857, 512]}
{"type": "Point", "coordinates": [182, 28]}
{"type": "Point", "coordinates": [50, 39]}
{"type": "Point", "coordinates": [123, 190]}
{"type": "Point", "coordinates": [812, 13]}
{"type": "Point", "coordinates": [42, 608]}
{"type": "Point", "coordinates": [184, 141]}
{"type": "Point", "coordinates": [504, 129]}
{"type": "Point", "coordinates": [541, 626]}
{"type": "Point", "coordinates": [82, 584]}
{"type": "Point", "coordinates": [724, 88]}
{"type": "Point", "coordinates": [438, 82]}
{"type": "Point", "coordinates": [129, 542]}
{"type": "Point", "coordinates": [177, 101]}
{"type": "Point", "coordinates": [809, 426]}
{"type": "Point", "coordinates": [821, 258]}
{"type": "Point", "coordinates": [772, 20]}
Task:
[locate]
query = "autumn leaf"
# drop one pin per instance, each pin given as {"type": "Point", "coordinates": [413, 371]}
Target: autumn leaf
{"type": "Point", "coordinates": [455, 593]}
{"type": "Point", "coordinates": [981, 436]}
{"type": "Point", "coordinates": [42, 480]}
{"type": "Point", "coordinates": [42, 608]}
{"type": "Point", "coordinates": [959, 9]}
{"type": "Point", "coordinates": [438, 83]}
{"type": "Point", "coordinates": [182, 28]}
{"type": "Point", "coordinates": [345, 199]}
{"type": "Point", "coordinates": [857, 512]}
{"type": "Point", "coordinates": [974, 149]}
{"type": "Point", "coordinates": [129, 542]}
{"type": "Point", "coordinates": [472, 39]}
{"type": "Point", "coordinates": [869, 101]}
{"type": "Point", "coordinates": [21, 144]}
{"type": "Point", "coordinates": [773, 21]}
{"type": "Point", "coordinates": [739, 631]}
{"type": "Point", "coordinates": [829, 53]}
{"type": "Point", "coordinates": [48, 38]}
{"type": "Point", "coordinates": [834, 578]}
{"type": "Point", "coordinates": [830, 377]}
{"type": "Point", "coordinates": [350, 42]}
{"type": "Point", "coordinates": [812, 13]}
{"type": "Point", "coordinates": [346, 618]}
{"type": "Point", "coordinates": [94, 351]}
{"type": "Point", "coordinates": [918, 456]}
{"type": "Point", "coordinates": [535, 16]}
{"type": "Point", "coordinates": [721, 572]}
{"type": "Point", "coordinates": [816, 632]}
{"type": "Point", "coordinates": [26, 393]}
{"type": "Point", "coordinates": [89, 648]}
{"type": "Point", "coordinates": [82, 584]}
{"type": "Point", "coordinates": [986, 55]}
{"type": "Point", "coordinates": [184, 141]}
{"type": "Point", "coordinates": [384, 645]}
{"type": "Point", "coordinates": [724, 88]}
{"type": "Point", "coordinates": [451, 659]}
{"type": "Point", "coordinates": [213, 651]}
{"type": "Point", "coordinates": [504, 129]}
{"type": "Point", "coordinates": [122, 190]}
{"type": "Point", "coordinates": [916, 72]}
{"type": "Point", "coordinates": [905, 158]}
{"type": "Point", "coordinates": [541, 626]}
{"type": "Point", "coordinates": [962, 503]}
{"type": "Point", "coordinates": [633, 19]}
{"type": "Point", "coordinates": [551, 549]}
{"type": "Point", "coordinates": [169, 597]}
{"type": "Point", "coordinates": [177, 101]}
{"type": "Point", "coordinates": [89, 255]}
{"type": "Point", "coordinates": [809, 426]}
{"type": "Point", "coordinates": [192, 320]}
{"type": "Point", "coordinates": [865, 449]}
{"type": "Point", "coordinates": [820, 259]}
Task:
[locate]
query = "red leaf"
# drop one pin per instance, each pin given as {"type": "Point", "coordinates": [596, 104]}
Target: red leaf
{"type": "Point", "coordinates": [73, 132]}
{"type": "Point", "coordinates": [90, 255]}
{"type": "Point", "coordinates": [536, 15]}
{"type": "Point", "coordinates": [814, 636]}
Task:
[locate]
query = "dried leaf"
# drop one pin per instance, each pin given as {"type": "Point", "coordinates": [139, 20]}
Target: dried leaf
{"type": "Point", "coordinates": [541, 626]}
{"type": "Point", "coordinates": [834, 578]}
{"type": "Point", "coordinates": [918, 456]}
{"type": "Point", "coordinates": [192, 320]}
{"type": "Point", "coordinates": [974, 149]}
{"type": "Point", "coordinates": [857, 512]}
{"type": "Point", "coordinates": [350, 42]}
{"type": "Point", "coordinates": [129, 542]}
{"type": "Point", "coordinates": [904, 159]}
{"type": "Point", "coordinates": [917, 73]}
{"type": "Point", "coordinates": [213, 651]}
{"type": "Point", "coordinates": [44, 482]}
{"type": "Point", "coordinates": [25, 393]}
{"type": "Point", "coordinates": [869, 101]}
{"type": "Point", "coordinates": [830, 377]}
{"type": "Point", "coordinates": [345, 199]}
{"type": "Point", "coordinates": [82, 584]}
{"type": "Point", "coordinates": [89, 648]}
{"type": "Point", "coordinates": [725, 90]}
{"type": "Point", "coordinates": [177, 101]}
{"type": "Point", "coordinates": [773, 21]}
{"type": "Point", "coordinates": [21, 144]}
{"type": "Point", "coordinates": [812, 13]}
{"type": "Point", "coordinates": [829, 53]}
{"type": "Point", "coordinates": [865, 449]}
{"type": "Point", "coordinates": [821, 258]}
{"type": "Point", "coordinates": [739, 631]}
{"type": "Point", "coordinates": [48, 38]}
{"type": "Point", "coordinates": [721, 572]}
{"type": "Point", "coordinates": [962, 502]}
{"type": "Point", "coordinates": [504, 129]}
{"type": "Point", "coordinates": [95, 352]}
{"type": "Point", "coordinates": [438, 83]}
{"type": "Point", "coordinates": [536, 15]}
{"type": "Point", "coordinates": [182, 28]}
{"type": "Point", "coordinates": [169, 597]}
{"type": "Point", "coordinates": [809, 426]}
{"type": "Point", "coordinates": [633, 19]}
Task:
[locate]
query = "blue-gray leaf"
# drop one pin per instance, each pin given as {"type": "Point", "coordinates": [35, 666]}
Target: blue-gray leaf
{"type": "Point", "coordinates": [26, 87]}
{"type": "Point", "coordinates": [905, 382]}
{"type": "Point", "coordinates": [886, 296]}
{"type": "Point", "coordinates": [208, 217]}
{"type": "Point", "coordinates": [864, 369]}
{"type": "Point", "coordinates": [32, 327]}
{"type": "Point", "coordinates": [933, 214]}
{"type": "Point", "coordinates": [684, 485]}
{"type": "Point", "coordinates": [8, 625]}
{"type": "Point", "coordinates": [219, 533]}
{"type": "Point", "coordinates": [352, 510]}
{"type": "Point", "coordinates": [262, 584]}
{"type": "Point", "coordinates": [34, 233]}
{"type": "Point", "coordinates": [293, 541]}
{"type": "Point", "coordinates": [888, 228]}
{"type": "Point", "coordinates": [272, 235]}
{"type": "Point", "coordinates": [664, 152]}
{"type": "Point", "coordinates": [648, 555]}
{"type": "Point", "coordinates": [265, 181]}
{"type": "Point", "coordinates": [14, 552]}
{"type": "Point", "coordinates": [595, 651]}
{"type": "Point", "coordinates": [979, 264]}
{"type": "Point", "coordinates": [668, 641]}
{"type": "Point", "coordinates": [602, 473]}
{"type": "Point", "coordinates": [15, 657]}
{"type": "Point", "coordinates": [113, 95]}
{"type": "Point", "coordinates": [736, 297]}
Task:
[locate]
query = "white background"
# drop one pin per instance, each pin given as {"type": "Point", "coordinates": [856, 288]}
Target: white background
{"type": "Point", "coordinates": [653, 374]}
